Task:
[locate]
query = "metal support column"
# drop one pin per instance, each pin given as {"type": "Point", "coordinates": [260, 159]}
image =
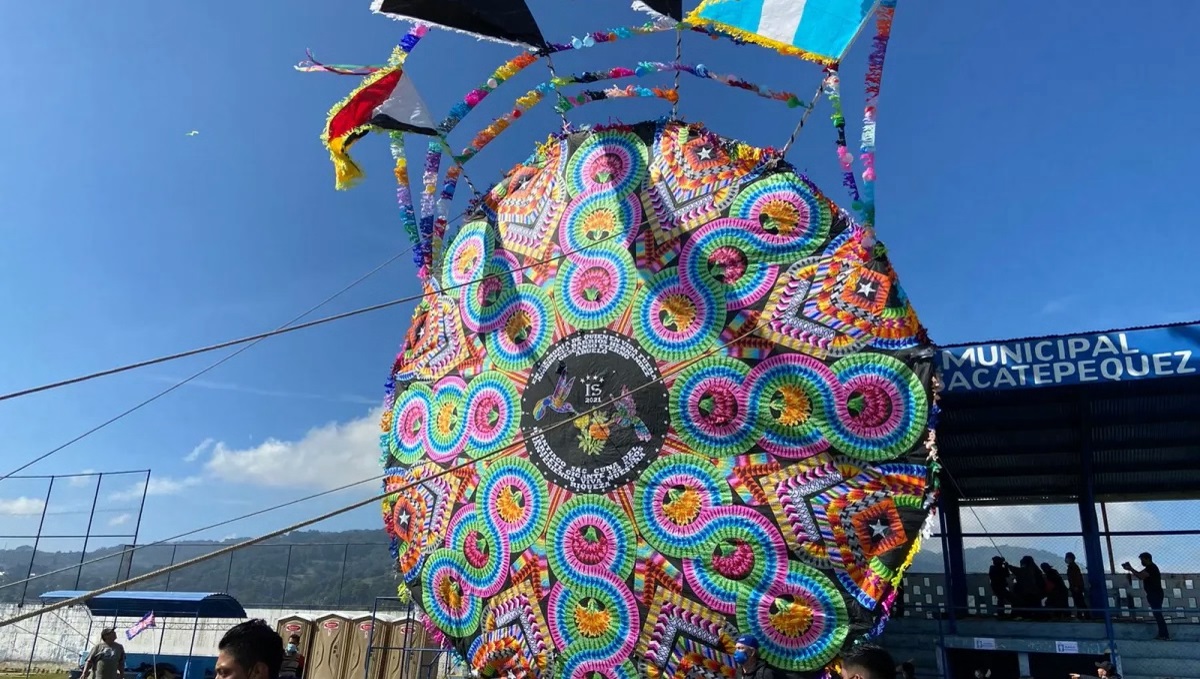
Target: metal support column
{"type": "Point", "coordinates": [36, 541]}
{"type": "Point", "coordinates": [956, 565]}
{"type": "Point", "coordinates": [87, 536]}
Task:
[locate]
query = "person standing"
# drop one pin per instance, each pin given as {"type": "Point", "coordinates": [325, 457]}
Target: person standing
{"type": "Point", "coordinates": [998, 578]}
{"type": "Point", "coordinates": [749, 665]}
{"type": "Point", "coordinates": [1151, 579]}
{"type": "Point", "coordinates": [1076, 586]}
{"type": "Point", "coordinates": [293, 659]}
{"type": "Point", "coordinates": [1056, 593]}
{"type": "Point", "coordinates": [107, 658]}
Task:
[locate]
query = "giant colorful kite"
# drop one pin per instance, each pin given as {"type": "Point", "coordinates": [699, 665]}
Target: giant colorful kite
{"type": "Point", "coordinates": [660, 390]}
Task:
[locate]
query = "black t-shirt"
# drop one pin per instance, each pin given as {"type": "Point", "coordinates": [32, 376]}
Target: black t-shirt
{"type": "Point", "coordinates": [1153, 580]}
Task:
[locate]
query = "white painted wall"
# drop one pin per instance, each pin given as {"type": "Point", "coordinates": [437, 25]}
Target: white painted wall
{"type": "Point", "coordinates": [64, 634]}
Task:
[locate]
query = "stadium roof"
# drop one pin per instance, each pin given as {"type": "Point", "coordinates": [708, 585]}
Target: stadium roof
{"type": "Point", "coordinates": [1019, 416]}
{"type": "Point", "coordinates": [163, 604]}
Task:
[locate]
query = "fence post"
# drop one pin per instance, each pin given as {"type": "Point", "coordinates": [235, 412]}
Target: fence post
{"type": "Point", "coordinates": [87, 536]}
{"type": "Point", "coordinates": [33, 557]}
{"type": "Point", "coordinates": [342, 576]}
{"type": "Point", "coordinates": [287, 574]}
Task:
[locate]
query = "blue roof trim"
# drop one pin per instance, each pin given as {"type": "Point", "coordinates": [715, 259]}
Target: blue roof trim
{"type": "Point", "coordinates": [164, 604]}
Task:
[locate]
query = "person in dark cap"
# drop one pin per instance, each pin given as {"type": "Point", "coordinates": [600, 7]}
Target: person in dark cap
{"type": "Point", "coordinates": [749, 665]}
{"type": "Point", "coordinates": [1104, 670]}
{"type": "Point", "coordinates": [1152, 582]}
{"type": "Point", "coordinates": [868, 662]}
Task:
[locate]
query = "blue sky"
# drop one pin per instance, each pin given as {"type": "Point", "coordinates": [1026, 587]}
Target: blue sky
{"type": "Point", "coordinates": [1033, 161]}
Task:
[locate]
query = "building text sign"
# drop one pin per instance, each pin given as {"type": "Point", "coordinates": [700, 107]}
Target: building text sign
{"type": "Point", "coordinates": [1100, 357]}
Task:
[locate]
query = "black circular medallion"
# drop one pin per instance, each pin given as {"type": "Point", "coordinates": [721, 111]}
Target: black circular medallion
{"type": "Point", "coordinates": [594, 412]}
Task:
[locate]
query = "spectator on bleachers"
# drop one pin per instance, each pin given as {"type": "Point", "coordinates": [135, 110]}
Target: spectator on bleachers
{"type": "Point", "coordinates": [1076, 585]}
{"type": "Point", "coordinates": [1029, 589]}
{"type": "Point", "coordinates": [907, 670]}
{"type": "Point", "coordinates": [1056, 592]}
{"type": "Point", "coordinates": [998, 577]}
{"type": "Point", "coordinates": [1104, 670]}
{"type": "Point", "coordinates": [1151, 579]}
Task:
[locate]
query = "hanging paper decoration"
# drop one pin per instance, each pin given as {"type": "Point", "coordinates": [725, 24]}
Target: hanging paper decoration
{"type": "Point", "coordinates": [507, 21]}
{"type": "Point", "coordinates": [819, 30]}
{"type": "Point", "coordinates": [385, 99]}
{"type": "Point", "coordinates": [666, 396]}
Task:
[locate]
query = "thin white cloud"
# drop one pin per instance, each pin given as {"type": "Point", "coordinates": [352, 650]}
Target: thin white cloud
{"type": "Point", "coordinates": [272, 393]}
{"type": "Point", "coordinates": [1058, 304]}
{"type": "Point", "coordinates": [83, 481]}
{"type": "Point", "coordinates": [163, 485]}
{"type": "Point", "coordinates": [198, 450]}
{"type": "Point", "coordinates": [120, 519]}
{"type": "Point", "coordinates": [21, 506]}
{"type": "Point", "coordinates": [330, 455]}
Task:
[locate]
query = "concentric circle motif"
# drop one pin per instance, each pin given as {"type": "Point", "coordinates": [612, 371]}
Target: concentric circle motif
{"type": "Point", "coordinates": [585, 427]}
{"type": "Point", "coordinates": [515, 495]}
{"type": "Point", "coordinates": [446, 427]}
{"type": "Point", "coordinates": [787, 214]}
{"type": "Point", "coordinates": [410, 416]}
{"type": "Point", "coordinates": [800, 620]}
{"type": "Point", "coordinates": [492, 403]}
{"type": "Point", "coordinates": [594, 287]}
{"type": "Point", "coordinates": [663, 393]}
{"type": "Point", "coordinates": [729, 252]}
{"type": "Point", "coordinates": [671, 499]}
{"type": "Point", "coordinates": [709, 401]}
{"type": "Point", "coordinates": [676, 320]}
{"type": "Point", "coordinates": [468, 254]}
{"type": "Point", "coordinates": [597, 218]}
{"type": "Point", "coordinates": [613, 162]}
{"type": "Point", "coordinates": [525, 330]}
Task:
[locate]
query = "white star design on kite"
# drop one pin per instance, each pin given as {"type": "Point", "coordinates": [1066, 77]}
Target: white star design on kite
{"type": "Point", "coordinates": [866, 288]}
{"type": "Point", "coordinates": [705, 153]}
{"type": "Point", "coordinates": [402, 519]}
{"type": "Point", "coordinates": [878, 529]}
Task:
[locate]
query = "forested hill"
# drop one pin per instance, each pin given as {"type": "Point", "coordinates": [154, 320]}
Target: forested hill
{"type": "Point", "coordinates": [345, 569]}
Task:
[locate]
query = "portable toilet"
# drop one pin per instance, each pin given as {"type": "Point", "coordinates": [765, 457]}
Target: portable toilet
{"type": "Point", "coordinates": [365, 632]}
{"type": "Point", "coordinates": [403, 659]}
{"type": "Point", "coordinates": [327, 654]}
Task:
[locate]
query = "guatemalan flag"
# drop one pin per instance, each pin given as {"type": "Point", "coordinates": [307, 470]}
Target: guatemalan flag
{"type": "Point", "coordinates": [140, 626]}
{"type": "Point", "coordinates": [822, 30]}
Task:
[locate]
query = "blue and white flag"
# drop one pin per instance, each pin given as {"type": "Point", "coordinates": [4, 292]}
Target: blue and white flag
{"type": "Point", "coordinates": [818, 29]}
{"type": "Point", "coordinates": [140, 626]}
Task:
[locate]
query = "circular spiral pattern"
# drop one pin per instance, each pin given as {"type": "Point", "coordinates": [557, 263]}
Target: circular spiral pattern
{"type": "Point", "coordinates": [410, 416]}
{"type": "Point", "coordinates": [806, 406]}
{"type": "Point", "coordinates": [468, 254]}
{"type": "Point", "coordinates": [446, 427]}
{"type": "Point", "coordinates": [731, 253]}
{"type": "Point", "coordinates": [484, 300]}
{"type": "Point", "coordinates": [674, 320]}
{"type": "Point", "coordinates": [524, 331]}
{"type": "Point", "coordinates": [742, 550]}
{"type": "Point", "coordinates": [591, 551]}
{"type": "Point", "coordinates": [673, 494]}
{"type": "Point", "coordinates": [800, 620]}
{"type": "Point", "coordinates": [599, 218]}
{"type": "Point", "coordinates": [451, 607]}
{"type": "Point", "coordinates": [493, 407]}
{"type": "Point", "coordinates": [516, 495]}
{"type": "Point", "coordinates": [791, 220]}
{"type": "Point", "coordinates": [708, 400]}
{"type": "Point", "coordinates": [594, 287]}
{"type": "Point", "coordinates": [612, 162]}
